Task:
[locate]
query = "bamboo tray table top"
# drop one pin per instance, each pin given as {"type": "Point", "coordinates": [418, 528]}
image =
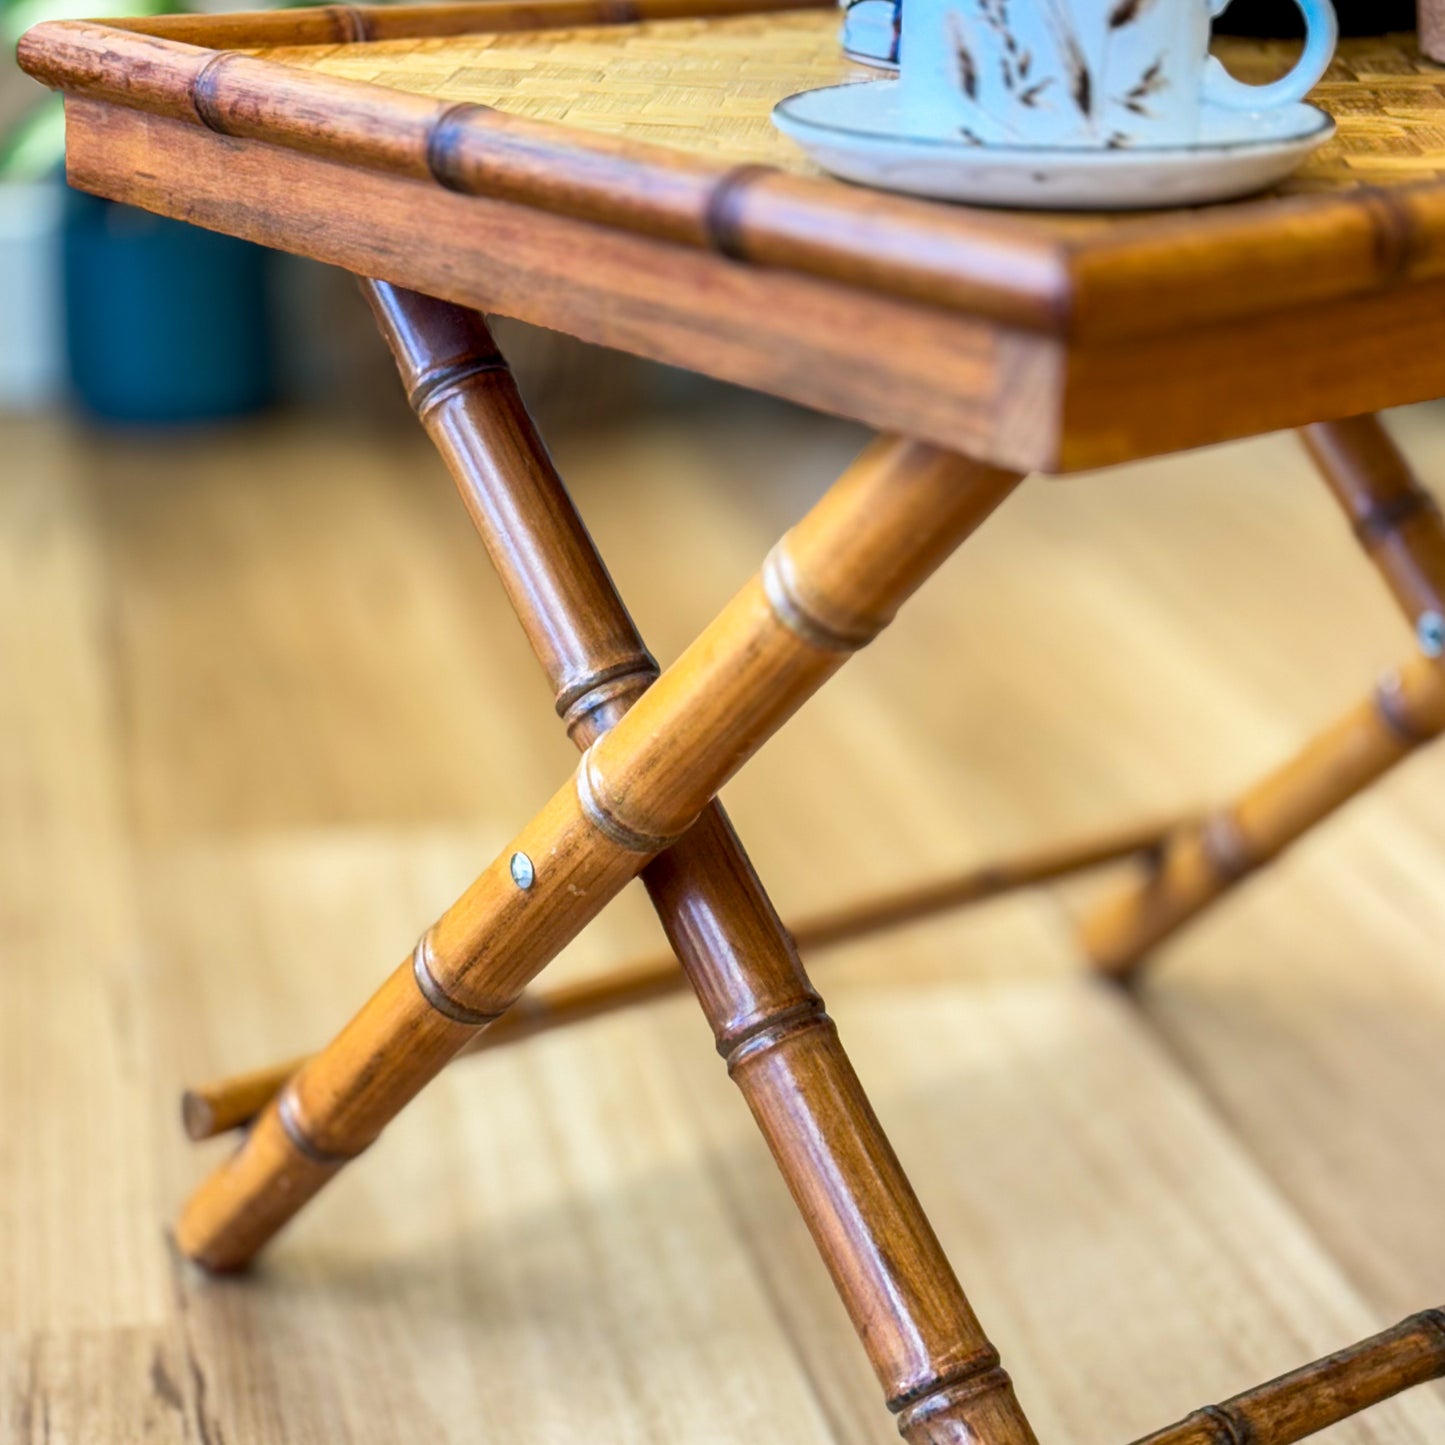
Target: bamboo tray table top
{"type": "Point", "coordinates": [607, 168]}
{"type": "Point", "coordinates": [610, 170]}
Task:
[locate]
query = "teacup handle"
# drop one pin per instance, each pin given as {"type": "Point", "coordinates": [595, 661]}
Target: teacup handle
{"type": "Point", "coordinates": [1322, 34]}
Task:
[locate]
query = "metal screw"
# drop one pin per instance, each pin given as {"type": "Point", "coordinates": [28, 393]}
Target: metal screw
{"type": "Point", "coordinates": [1431, 632]}
{"type": "Point", "coordinates": [523, 873]}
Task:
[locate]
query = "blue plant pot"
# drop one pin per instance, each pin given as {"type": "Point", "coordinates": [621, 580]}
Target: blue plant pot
{"type": "Point", "coordinates": [165, 324]}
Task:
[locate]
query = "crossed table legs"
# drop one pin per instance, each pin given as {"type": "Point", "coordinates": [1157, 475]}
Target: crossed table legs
{"type": "Point", "coordinates": [656, 754]}
{"type": "Point", "coordinates": [656, 751]}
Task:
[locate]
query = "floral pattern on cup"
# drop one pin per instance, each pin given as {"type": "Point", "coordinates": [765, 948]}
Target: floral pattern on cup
{"type": "Point", "coordinates": [1078, 81]}
{"type": "Point", "coordinates": [1094, 73]}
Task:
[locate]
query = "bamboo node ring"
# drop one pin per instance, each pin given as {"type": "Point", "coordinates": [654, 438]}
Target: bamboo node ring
{"type": "Point", "coordinates": [301, 1140]}
{"type": "Point", "coordinates": [761, 1037]}
{"type": "Point", "coordinates": [589, 796]}
{"type": "Point", "coordinates": [1391, 705]}
{"type": "Point", "coordinates": [780, 584]}
{"type": "Point", "coordinates": [438, 997]}
{"type": "Point", "coordinates": [446, 381]}
{"type": "Point", "coordinates": [204, 100]}
{"type": "Point", "coordinates": [722, 219]}
{"type": "Point", "coordinates": [589, 693]}
{"type": "Point", "coordinates": [1226, 1427]}
{"type": "Point", "coordinates": [1380, 522]}
{"type": "Point", "coordinates": [1226, 847]}
{"type": "Point", "coordinates": [981, 1373]}
{"type": "Point", "coordinates": [351, 24]}
{"type": "Point", "coordinates": [445, 129]}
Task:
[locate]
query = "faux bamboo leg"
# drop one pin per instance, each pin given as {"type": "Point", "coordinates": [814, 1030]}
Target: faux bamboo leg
{"type": "Point", "coordinates": [1200, 864]}
{"type": "Point", "coordinates": [221, 1105]}
{"type": "Point", "coordinates": [1400, 527]}
{"type": "Point", "coordinates": [782, 1049]}
{"type": "Point", "coordinates": [1311, 1399]}
{"type": "Point", "coordinates": [640, 786]}
{"type": "Point", "coordinates": [1395, 519]}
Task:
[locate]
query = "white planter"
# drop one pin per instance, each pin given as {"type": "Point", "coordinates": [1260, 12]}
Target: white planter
{"type": "Point", "coordinates": [32, 365]}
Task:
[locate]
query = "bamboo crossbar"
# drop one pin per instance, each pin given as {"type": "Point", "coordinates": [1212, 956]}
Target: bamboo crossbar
{"type": "Point", "coordinates": [1201, 864]}
{"type": "Point", "coordinates": [1398, 524]}
{"type": "Point", "coordinates": [232, 1103]}
{"type": "Point", "coordinates": [1321, 1394]}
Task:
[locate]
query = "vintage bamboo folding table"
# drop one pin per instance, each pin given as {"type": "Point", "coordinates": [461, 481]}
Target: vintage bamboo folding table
{"type": "Point", "coordinates": [606, 168]}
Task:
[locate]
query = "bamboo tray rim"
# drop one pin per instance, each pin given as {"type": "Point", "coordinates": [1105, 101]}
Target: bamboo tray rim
{"type": "Point", "coordinates": [1128, 277]}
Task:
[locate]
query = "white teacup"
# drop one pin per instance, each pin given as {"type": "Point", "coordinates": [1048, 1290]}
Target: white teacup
{"type": "Point", "coordinates": [1093, 73]}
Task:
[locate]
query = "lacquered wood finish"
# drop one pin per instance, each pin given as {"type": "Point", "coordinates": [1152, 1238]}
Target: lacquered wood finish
{"type": "Point", "coordinates": [951, 379]}
{"type": "Point", "coordinates": [763, 217]}
{"type": "Point", "coordinates": [825, 592]}
{"type": "Point", "coordinates": [1201, 864]}
{"type": "Point", "coordinates": [906, 1304]}
{"type": "Point", "coordinates": [1032, 342]}
{"type": "Point", "coordinates": [1322, 1394]}
{"type": "Point", "coordinates": [1396, 520]}
{"type": "Point", "coordinates": [1398, 524]}
{"type": "Point", "coordinates": [783, 1052]}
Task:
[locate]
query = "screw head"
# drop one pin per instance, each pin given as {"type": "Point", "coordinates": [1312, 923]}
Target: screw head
{"type": "Point", "coordinates": [1431, 632]}
{"type": "Point", "coordinates": [523, 873]}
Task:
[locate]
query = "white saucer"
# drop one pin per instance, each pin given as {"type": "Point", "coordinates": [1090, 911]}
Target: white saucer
{"type": "Point", "coordinates": [856, 131]}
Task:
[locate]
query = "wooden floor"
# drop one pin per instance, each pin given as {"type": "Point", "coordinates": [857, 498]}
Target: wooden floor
{"type": "Point", "coordinates": [262, 715]}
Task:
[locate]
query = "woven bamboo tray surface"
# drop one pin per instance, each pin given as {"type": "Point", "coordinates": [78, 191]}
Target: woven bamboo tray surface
{"type": "Point", "coordinates": [708, 86]}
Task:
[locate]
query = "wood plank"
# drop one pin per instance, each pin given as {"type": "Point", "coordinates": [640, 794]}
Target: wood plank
{"type": "Point", "coordinates": [1128, 1259]}
{"type": "Point", "coordinates": [1311, 1006]}
{"type": "Point", "coordinates": [1009, 396]}
{"type": "Point", "coordinates": [74, 1045]}
{"type": "Point", "coordinates": [365, 715]}
{"type": "Point", "coordinates": [1137, 1244]}
{"type": "Point", "coordinates": [555, 1259]}
{"type": "Point", "coordinates": [130, 1386]}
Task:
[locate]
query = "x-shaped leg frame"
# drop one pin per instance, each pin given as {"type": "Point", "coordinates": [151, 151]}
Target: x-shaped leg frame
{"type": "Point", "coordinates": [656, 750]}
